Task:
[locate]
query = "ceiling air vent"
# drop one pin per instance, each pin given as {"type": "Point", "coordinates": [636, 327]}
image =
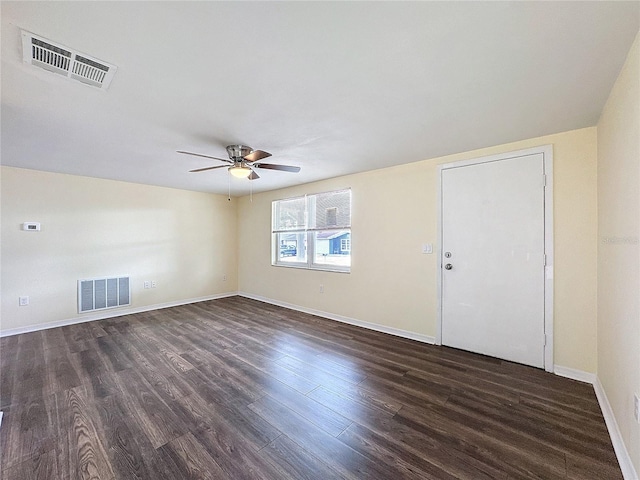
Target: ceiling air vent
{"type": "Point", "coordinates": [66, 61]}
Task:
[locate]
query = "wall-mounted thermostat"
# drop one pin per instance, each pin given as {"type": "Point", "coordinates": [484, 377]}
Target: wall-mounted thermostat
{"type": "Point", "coordinates": [32, 226]}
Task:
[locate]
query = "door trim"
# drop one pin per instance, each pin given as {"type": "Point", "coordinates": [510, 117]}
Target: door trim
{"type": "Point", "coordinates": [547, 154]}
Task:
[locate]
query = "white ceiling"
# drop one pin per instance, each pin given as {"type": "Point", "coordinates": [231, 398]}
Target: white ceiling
{"type": "Point", "coordinates": [333, 87]}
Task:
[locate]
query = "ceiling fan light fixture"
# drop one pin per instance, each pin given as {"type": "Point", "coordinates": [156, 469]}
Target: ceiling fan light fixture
{"type": "Point", "coordinates": [240, 171]}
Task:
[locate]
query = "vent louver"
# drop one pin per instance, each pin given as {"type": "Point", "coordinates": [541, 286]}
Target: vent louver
{"type": "Point", "coordinates": [65, 61]}
{"type": "Point", "coordinates": [102, 293]}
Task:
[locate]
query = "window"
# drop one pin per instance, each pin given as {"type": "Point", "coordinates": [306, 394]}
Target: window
{"type": "Point", "coordinates": [313, 231]}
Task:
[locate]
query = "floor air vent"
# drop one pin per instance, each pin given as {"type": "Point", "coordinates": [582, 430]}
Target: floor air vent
{"type": "Point", "coordinates": [65, 61]}
{"type": "Point", "coordinates": [102, 293]}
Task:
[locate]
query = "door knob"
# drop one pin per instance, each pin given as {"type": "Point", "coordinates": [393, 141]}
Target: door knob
{"type": "Point", "coordinates": [448, 266]}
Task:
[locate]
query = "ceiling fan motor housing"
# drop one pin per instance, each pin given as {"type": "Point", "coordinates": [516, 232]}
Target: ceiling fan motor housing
{"type": "Point", "coordinates": [237, 152]}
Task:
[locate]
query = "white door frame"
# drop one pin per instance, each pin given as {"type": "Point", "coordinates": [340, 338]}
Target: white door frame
{"type": "Point", "coordinates": [547, 153]}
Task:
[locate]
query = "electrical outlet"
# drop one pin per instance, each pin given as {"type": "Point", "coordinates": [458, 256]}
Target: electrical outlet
{"type": "Point", "coordinates": [23, 301]}
{"type": "Point", "coordinates": [636, 407]}
{"type": "Point", "coordinates": [321, 288]}
{"type": "Point", "coordinates": [154, 284]}
{"type": "Point", "coordinates": [147, 284]}
{"type": "Point", "coordinates": [224, 277]}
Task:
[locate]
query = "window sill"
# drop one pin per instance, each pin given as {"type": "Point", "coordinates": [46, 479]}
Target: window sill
{"type": "Point", "coordinates": [320, 268]}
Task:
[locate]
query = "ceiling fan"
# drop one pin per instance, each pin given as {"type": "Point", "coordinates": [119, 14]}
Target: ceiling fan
{"type": "Point", "coordinates": [242, 159]}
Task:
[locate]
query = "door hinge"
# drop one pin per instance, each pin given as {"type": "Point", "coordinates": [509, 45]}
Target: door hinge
{"type": "Point", "coordinates": [544, 180]}
{"type": "Point", "coordinates": [545, 339]}
{"type": "Point", "coordinates": [544, 259]}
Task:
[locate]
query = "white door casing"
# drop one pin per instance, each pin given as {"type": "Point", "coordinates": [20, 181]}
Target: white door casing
{"type": "Point", "coordinates": [496, 224]}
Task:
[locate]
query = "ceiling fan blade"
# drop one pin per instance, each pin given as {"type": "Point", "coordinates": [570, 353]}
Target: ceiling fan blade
{"type": "Point", "coordinates": [284, 168]}
{"type": "Point", "coordinates": [204, 156]}
{"type": "Point", "coordinates": [253, 176]}
{"type": "Point", "coordinates": [256, 155]}
{"type": "Point", "coordinates": [207, 168]}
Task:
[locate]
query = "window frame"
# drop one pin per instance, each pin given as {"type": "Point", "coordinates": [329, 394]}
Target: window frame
{"type": "Point", "coordinates": [307, 233]}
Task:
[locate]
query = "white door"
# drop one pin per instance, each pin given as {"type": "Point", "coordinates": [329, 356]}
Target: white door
{"type": "Point", "coordinates": [493, 272]}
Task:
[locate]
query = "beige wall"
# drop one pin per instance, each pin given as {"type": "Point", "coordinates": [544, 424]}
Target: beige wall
{"type": "Point", "coordinates": [395, 211]}
{"type": "Point", "coordinates": [186, 241]}
{"type": "Point", "coordinates": [619, 249]}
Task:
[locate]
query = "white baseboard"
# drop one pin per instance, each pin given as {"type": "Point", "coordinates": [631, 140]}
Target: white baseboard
{"type": "Point", "coordinates": [110, 314]}
{"type": "Point", "coordinates": [624, 459]}
{"type": "Point", "coordinates": [351, 321]}
{"type": "Point", "coordinates": [574, 374]}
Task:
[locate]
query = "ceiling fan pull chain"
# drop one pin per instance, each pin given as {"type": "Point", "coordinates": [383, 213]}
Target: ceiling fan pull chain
{"type": "Point", "coordinates": [229, 184]}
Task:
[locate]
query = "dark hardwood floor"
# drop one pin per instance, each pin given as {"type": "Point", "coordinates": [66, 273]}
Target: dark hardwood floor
{"type": "Point", "coordinates": [238, 389]}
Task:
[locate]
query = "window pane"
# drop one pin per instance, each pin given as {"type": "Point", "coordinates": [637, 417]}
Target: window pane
{"type": "Point", "coordinates": [289, 214]}
{"type": "Point", "coordinates": [332, 209]}
{"type": "Point", "coordinates": [292, 247]}
{"type": "Point", "coordinates": [332, 247]}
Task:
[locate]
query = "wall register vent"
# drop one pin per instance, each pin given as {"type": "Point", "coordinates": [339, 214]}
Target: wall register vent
{"type": "Point", "coordinates": [66, 61]}
{"type": "Point", "coordinates": [101, 293]}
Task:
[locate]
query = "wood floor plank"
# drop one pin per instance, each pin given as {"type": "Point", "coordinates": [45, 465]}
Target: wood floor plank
{"type": "Point", "coordinates": [297, 462]}
{"type": "Point", "coordinates": [61, 373]}
{"type": "Point", "coordinates": [581, 467]}
{"type": "Point", "coordinates": [256, 431]}
{"type": "Point", "coordinates": [571, 440]}
{"type": "Point", "coordinates": [343, 458]}
{"type": "Point", "coordinates": [353, 405]}
{"type": "Point", "coordinates": [366, 361]}
{"type": "Point", "coordinates": [407, 391]}
{"type": "Point", "coordinates": [565, 416]}
{"type": "Point", "coordinates": [347, 370]}
{"type": "Point", "coordinates": [30, 370]}
{"type": "Point", "coordinates": [409, 464]}
{"type": "Point", "coordinates": [94, 371]}
{"type": "Point", "coordinates": [314, 372]}
{"type": "Point", "coordinates": [190, 460]}
{"type": "Point", "coordinates": [41, 467]}
{"type": "Point", "coordinates": [161, 355]}
{"type": "Point", "coordinates": [436, 447]}
{"type": "Point", "coordinates": [231, 379]}
{"type": "Point", "coordinates": [81, 451]}
{"type": "Point", "coordinates": [130, 451]}
{"type": "Point", "coordinates": [213, 389]}
{"type": "Point", "coordinates": [169, 388]}
{"type": "Point", "coordinates": [27, 431]}
{"type": "Point", "coordinates": [274, 369]}
{"type": "Point", "coordinates": [113, 353]}
{"type": "Point", "coordinates": [529, 459]}
{"type": "Point", "coordinates": [238, 459]}
{"type": "Point", "coordinates": [235, 388]}
{"type": "Point", "coordinates": [152, 414]}
{"type": "Point", "coordinates": [463, 381]}
{"type": "Point", "coordinates": [8, 374]}
{"type": "Point", "coordinates": [315, 412]}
